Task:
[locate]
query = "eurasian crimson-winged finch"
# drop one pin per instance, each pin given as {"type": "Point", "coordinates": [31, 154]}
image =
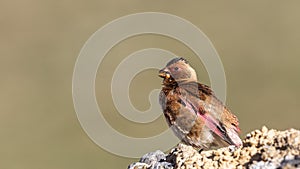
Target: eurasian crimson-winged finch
{"type": "Point", "coordinates": [192, 110]}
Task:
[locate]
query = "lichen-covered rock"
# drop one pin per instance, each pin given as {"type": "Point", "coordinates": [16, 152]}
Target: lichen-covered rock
{"type": "Point", "coordinates": [262, 149]}
{"type": "Point", "coordinates": [152, 160]}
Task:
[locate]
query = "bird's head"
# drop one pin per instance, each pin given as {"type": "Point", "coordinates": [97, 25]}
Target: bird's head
{"type": "Point", "coordinates": [177, 70]}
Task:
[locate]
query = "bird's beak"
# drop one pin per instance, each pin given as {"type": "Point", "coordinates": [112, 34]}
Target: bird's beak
{"type": "Point", "coordinates": [164, 74]}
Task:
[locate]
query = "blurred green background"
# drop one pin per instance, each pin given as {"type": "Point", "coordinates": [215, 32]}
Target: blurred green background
{"type": "Point", "coordinates": [258, 42]}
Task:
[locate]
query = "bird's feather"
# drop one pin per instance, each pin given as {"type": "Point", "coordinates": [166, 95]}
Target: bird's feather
{"type": "Point", "coordinates": [201, 92]}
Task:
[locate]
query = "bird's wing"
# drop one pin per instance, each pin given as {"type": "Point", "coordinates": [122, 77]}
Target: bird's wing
{"type": "Point", "coordinates": [202, 97]}
{"type": "Point", "coordinates": [217, 128]}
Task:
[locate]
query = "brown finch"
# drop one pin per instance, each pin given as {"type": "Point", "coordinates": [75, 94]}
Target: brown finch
{"type": "Point", "coordinates": [195, 114]}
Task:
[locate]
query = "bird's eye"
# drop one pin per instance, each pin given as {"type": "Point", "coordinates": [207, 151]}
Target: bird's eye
{"type": "Point", "coordinates": [176, 68]}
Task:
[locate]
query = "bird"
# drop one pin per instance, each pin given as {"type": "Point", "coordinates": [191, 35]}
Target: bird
{"type": "Point", "coordinates": [192, 110]}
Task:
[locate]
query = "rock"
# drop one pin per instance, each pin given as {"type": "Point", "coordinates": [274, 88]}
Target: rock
{"type": "Point", "coordinates": [262, 149]}
{"type": "Point", "coordinates": [152, 160]}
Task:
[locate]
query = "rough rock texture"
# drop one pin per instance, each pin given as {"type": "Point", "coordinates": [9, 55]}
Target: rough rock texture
{"type": "Point", "coordinates": [262, 149]}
